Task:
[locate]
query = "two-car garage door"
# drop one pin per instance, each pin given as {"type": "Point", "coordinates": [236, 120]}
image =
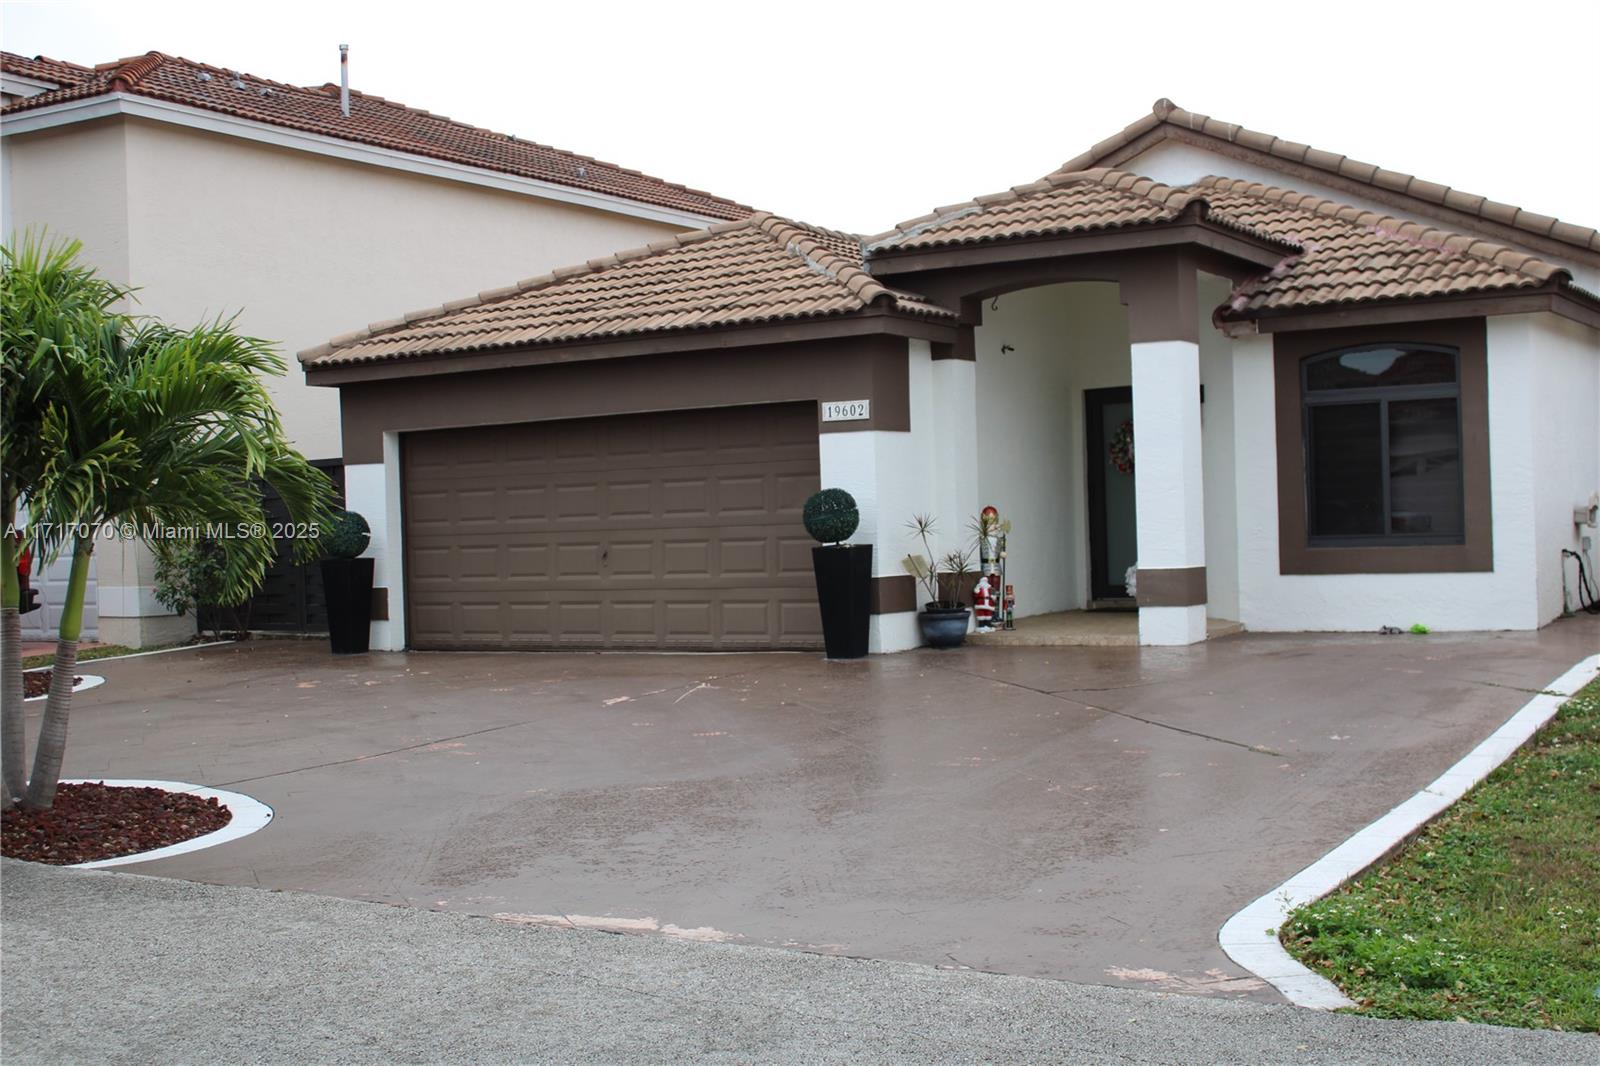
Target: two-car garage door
{"type": "Point", "coordinates": [675, 530]}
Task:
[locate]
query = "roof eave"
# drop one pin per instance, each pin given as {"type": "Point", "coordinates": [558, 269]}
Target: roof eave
{"type": "Point", "coordinates": [878, 318]}
{"type": "Point", "coordinates": [1555, 296]}
{"type": "Point", "coordinates": [1192, 229]}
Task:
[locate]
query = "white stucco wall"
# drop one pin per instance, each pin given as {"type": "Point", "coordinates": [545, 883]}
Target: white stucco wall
{"type": "Point", "coordinates": [894, 475]}
{"type": "Point", "coordinates": [1566, 439]}
{"type": "Point", "coordinates": [1031, 448]}
{"type": "Point", "coordinates": [1544, 381]}
{"type": "Point", "coordinates": [1174, 163]}
{"type": "Point", "coordinates": [373, 491]}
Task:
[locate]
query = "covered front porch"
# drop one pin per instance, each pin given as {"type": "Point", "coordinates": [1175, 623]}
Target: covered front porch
{"type": "Point", "coordinates": [1100, 395]}
{"type": "Point", "coordinates": [1101, 527]}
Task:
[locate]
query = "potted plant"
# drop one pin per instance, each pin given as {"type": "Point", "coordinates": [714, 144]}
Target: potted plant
{"type": "Point", "coordinates": [844, 573]}
{"type": "Point", "coordinates": [347, 582]}
{"type": "Point", "coordinates": [943, 619]}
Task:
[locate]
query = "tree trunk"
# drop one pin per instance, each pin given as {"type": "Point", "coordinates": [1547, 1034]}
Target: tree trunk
{"type": "Point", "coordinates": [13, 723]}
{"type": "Point", "coordinates": [53, 732]}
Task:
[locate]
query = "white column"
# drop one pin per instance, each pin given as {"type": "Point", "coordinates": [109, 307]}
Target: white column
{"type": "Point", "coordinates": [1168, 482]}
{"type": "Point", "coordinates": [894, 474]}
{"type": "Point", "coordinates": [372, 490]}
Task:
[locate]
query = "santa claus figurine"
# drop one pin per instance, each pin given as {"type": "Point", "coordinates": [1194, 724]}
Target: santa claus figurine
{"type": "Point", "coordinates": [983, 605]}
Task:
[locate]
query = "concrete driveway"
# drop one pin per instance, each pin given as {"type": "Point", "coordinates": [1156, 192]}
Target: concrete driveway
{"type": "Point", "coordinates": [1087, 814]}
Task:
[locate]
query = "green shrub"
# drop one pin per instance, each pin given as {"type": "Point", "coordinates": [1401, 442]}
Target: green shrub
{"type": "Point", "coordinates": [831, 516]}
{"type": "Point", "coordinates": [346, 537]}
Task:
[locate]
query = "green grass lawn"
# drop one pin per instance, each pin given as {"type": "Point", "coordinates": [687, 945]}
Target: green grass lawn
{"type": "Point", "coordinates": [1493, 913]}
{"type": "Point", "coordinates": [104, 651]}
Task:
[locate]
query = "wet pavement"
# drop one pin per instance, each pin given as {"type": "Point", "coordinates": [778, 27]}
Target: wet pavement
{"type": "Point", "coordinates": [1090, 814]}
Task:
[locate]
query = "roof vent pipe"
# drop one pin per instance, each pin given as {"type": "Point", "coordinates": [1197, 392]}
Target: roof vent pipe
{"type": "Point", "coordinates": [344, 80]}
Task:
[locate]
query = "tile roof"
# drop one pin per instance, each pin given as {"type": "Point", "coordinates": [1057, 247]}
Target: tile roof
{"type": "Point", "coordinates": [1064, 202]}
{"type": "Point", "coordinates": [372, 120]}
{"type": "Point", "coordinates": [1165, 116]}
{"type": "Point", "coordinates": [763, 269]}
{"type": "Point", "coordinates": [45, 69]}
{"type": "Point", "coordinates": [1334, 253]}
{"type": "Point", "coordinates": [1348, 255]}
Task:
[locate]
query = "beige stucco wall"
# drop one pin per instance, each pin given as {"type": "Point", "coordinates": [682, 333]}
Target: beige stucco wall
{"type": "Point", "coordinates": [300, 246]}
{"type": "Point", "coordinates": [306, 247]}
{"type": "Point", "coordinates": [72, 182]}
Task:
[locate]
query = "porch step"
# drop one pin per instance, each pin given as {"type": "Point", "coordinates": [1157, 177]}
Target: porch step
{"type": "Point", "coordinates": [1084, 629]}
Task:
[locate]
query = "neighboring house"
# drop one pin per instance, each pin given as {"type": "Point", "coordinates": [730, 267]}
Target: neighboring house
{"type": "Point", "coordinates": [219, 193]}
{"type": "Point", "coordinates": [1360, 399]}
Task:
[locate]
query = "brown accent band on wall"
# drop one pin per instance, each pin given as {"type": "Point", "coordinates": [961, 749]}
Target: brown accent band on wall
{"type": "Point", "coordinates": [874, 368]}
{"type": "Point", "coordinates": [380, 604]}
{"type": "Point", "coordinates": [1172, 587]}
{"type": "Point", "coordinates": [895, 594]}
{"type": "Point", "coordinates": [1295, 553]}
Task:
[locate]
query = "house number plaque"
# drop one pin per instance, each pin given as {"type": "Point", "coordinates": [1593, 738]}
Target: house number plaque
{"type": "Point", "coordinates": [846, 410]}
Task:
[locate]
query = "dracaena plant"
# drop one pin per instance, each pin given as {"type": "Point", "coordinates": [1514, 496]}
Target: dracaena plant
{"type": "Point", "coordinates": [930, 568]}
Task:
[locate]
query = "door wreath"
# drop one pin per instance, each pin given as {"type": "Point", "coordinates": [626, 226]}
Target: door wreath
{"type": "Point", "coordinates": [1121, 448]}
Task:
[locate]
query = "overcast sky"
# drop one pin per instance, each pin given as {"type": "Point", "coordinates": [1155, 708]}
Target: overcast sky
{"type": "Point", "coordinates": [859, 114]}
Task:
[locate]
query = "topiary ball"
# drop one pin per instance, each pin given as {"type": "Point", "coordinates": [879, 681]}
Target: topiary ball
{"type": "Point", "coordinates": [346, 536]}
{"type": "Point", "coordinates": [831, 515]}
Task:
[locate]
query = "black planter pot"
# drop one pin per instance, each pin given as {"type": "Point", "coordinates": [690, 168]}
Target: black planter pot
{"type": "Point", "coordinates": [347, 583]}
{"type": "Point", "coordinates": [944, 627]}
{"type": "Point", "coordinates": [844, 592]}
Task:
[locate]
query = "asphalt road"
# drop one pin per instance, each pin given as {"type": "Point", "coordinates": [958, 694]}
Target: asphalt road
{"type": "Point", "coordinates": [120, 968]}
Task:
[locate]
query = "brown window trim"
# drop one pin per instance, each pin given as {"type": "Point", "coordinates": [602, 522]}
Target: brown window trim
{"type": "Point", "coordinates": [1476, 553]}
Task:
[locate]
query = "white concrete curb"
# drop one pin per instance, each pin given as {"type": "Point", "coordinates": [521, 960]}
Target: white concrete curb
{"type": "Point", "coordinates": [85, 683]}
{"type": "Point", "coordinates": [249, 815]}
{"type": "Point", "coordinates": [1250, 937]}
{"type": "Point", "coordinates": [159, 651]}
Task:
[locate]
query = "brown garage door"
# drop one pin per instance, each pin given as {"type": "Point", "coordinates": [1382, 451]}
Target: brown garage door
{"type": "Point", "coordinates": [676, 530]}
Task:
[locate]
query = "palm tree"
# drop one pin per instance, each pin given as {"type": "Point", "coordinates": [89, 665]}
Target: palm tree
{"type": "Point", "coordinates": [47, 301]}
{"type": "Point", "coordinates": [162, 431]}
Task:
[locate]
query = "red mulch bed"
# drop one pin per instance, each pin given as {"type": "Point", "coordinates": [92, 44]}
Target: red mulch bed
{"type": "Point", "coordinates": [92, 821]}
{"type": "Point", "coordinates": [37, 682]}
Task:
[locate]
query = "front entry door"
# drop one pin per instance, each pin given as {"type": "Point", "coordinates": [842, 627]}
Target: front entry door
{"type": "Point", "coordinates": [1113, 541]}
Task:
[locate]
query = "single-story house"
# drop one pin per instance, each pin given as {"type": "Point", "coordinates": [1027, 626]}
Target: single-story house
{"type": "Point", "coordinates": [299, 208]}
{"type": "Point", "coordinates": [1358, 399]}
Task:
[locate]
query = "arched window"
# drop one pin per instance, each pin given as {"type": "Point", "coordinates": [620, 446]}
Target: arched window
{"type": "Point", "coordinates": [1383, 445]}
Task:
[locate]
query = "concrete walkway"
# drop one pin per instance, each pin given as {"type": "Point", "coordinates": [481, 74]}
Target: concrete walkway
{"type": "Point", "coordinates": [117, 968]}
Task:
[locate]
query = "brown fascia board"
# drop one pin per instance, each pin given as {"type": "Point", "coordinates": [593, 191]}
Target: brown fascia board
{"type": "Point", "coordinates": [870, 322]}
{"type": "Point", "coordinates": [1461, 220]}
{"type": "Point", "coordinates": [1547, 297]}
{"type": "Point", "coordinates": [1254, 250]}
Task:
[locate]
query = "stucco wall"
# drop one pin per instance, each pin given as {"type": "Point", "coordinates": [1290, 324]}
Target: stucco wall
{"type": "Point", "coordinates": [73, 183]}
{"type": "Point", "coordinates": [1544, 459]}
{"type": "Point", "coordinates": [1031, 461]}
{"type": "Point", "coordinates": [306, 247]}
{"type": "Point", "coordinates": [302, 247]}
{"type": "Point", "coordinates": [1566, 439]}
{"type": "Point", "coordinates": [893, 475]}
